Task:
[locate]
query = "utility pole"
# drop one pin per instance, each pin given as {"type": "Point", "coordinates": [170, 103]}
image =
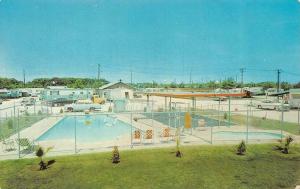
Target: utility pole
{"type": "Point", "coordinates": [98, 72]}
{"type": "Point", "coordinates": [131, 77]}
{"type": "Point", "coordinates": [24, 80]}
{"type": "Point", "coordinates": [191, 77]}
{"type": "Point", "coordinates": [278, 79]}
{"type": "Point", "coordinates": [242, 70]}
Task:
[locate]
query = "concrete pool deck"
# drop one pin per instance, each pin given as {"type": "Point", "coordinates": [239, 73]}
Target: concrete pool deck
{"type": "Point", "coordinates": [197, 136]}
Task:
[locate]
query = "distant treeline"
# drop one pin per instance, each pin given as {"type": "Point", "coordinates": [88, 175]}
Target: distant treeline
{"type": "Point", "coordinates": [11, 83]}
{"type": "Point", "coordinates": [225, 84]}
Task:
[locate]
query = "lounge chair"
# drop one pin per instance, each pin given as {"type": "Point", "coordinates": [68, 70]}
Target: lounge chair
{"type": "Point", "coordinates": [148, 136]}
{"type": "Point", "coordinates": [26, 144]}
{"type": "Point", "coordinates": [201, 124]}
{"type": "Point", "coordinates": [166, 135]}
{"type": "Point", "coordinates": [8, 144]}
{"type": "Point", "coordinates": [137, 138]}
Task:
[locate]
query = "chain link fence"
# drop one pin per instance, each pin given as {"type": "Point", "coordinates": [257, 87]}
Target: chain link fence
{"type": "Point", "coordinates": [140, 125]}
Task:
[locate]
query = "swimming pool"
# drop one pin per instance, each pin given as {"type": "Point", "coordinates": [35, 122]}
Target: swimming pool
{"type": "Point", "coordinates": [88, 129]}
{"type": "Point", "coordinates": [231, 135]}
{"type": "Point", "coordinates": [164, 119]}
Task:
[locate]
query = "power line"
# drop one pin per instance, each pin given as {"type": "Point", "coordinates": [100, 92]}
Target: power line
{"type": "Point", "coordinates": [98, 72]}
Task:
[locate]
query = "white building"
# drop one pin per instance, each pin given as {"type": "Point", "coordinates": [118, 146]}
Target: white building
{"type": "Point", "coordinates": [116, 91]}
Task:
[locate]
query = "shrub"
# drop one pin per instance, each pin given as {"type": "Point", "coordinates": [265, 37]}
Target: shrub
{"type": "Point", "coordinates": [178, 152]}
{"type": "Point", "coordinates": [40, 112]}
{"type": "Point", "coordinates": [27, 113]}
{"type": "Point", "coordinates": [225, 115]}
{"type": "Point", "coordinates": [115, 155]}
{"type": "Point", "coordinates": [241, 149]}
{"type": "Point", "coordinates": [288, 140]}
{"type": "Point", "coordinates": [61, 111]}
{"type": "Point", "coordinates": [41, 152]}
{"type": "Point", "coordinates": [10, 124]}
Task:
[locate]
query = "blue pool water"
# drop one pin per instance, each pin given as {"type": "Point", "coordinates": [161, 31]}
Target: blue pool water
{"type": "Point", "coordinates": [228, 135]}
{"type": "Point", "coordinates": [88, 129]}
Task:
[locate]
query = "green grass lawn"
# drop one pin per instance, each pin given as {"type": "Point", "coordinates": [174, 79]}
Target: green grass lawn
{"type": "Point", "coordinates": [10, 126]}
{"type": "Point", "coordinates": [268, 124]}
{"type": "Point", "coordinates": [201, 167]}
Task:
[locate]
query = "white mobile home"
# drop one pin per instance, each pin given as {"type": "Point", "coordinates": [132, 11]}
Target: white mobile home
{"type": "Point", "coordinates": [294, 98]}
{"type": "Point", "coordinates": [62, 92]}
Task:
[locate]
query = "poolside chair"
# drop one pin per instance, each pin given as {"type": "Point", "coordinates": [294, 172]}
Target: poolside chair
{"type": "Point", "coordinates": [26, 144]}
{"type": "Point", "coordinates": [7, 144]}
{"type": "Point", "coordinates": [201, 124]}
{"type": "Point", "coordinates": [137, 138]}
{"type": "Point", "coordinates": [148, 136]}
{"type": "Point", "coordinates": [166, 135]}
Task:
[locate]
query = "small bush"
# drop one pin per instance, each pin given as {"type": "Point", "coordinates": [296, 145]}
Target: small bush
{"type": "Point", "coordinates": [284, 149]}
{"type": "Point", "coordinates": [178, 151]}
{"type": "Point", "coordinates": [41, 152]}
{"type": "Point", "coordinates": [61, 111]}
{"type": "Point", "coordinates": [27, 113]}
{"type": "Point", "coordinates": [10, 124]}
{"type": "Point", "coordinates": [225, 116]}
{"type": "Point", "coordinates": [40, 112]}
{"type": "Point", "coordinates": [288, 141]}
{"type": "Point", "coordinates": [115, 155]}
{"type": "Point", "coordinates": [241, 149]}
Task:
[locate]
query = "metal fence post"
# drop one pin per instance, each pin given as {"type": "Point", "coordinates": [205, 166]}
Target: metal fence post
{"type": "Point", "coordinates": [219, 112]}
{"type": "Point", "coordinates": [34, 108]}
{"type": "Point", "coordinates": [299, 117]}
{"type": "Point", "coordinates": [229, 111]}
{"type": "Point", "coordinates": [247, 125]}
{"type": "Point", "coordinates": [211, 134]}
{"type": "Point", "coordinates": [131, 129]}
{"type": "Point", "coordinates": [75, 132]}
{"type": "Point", "coordinates": [281, 123]}
{"type": "Point", "coordinates": [18, 139]}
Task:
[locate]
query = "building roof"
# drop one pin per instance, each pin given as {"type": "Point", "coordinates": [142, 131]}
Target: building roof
{"type": "Point", "coordinates": [56, 87]}
{"type": "Point", "coordinates": [4, 90]}
{"type": "Point", "coordinates": [119, 84]}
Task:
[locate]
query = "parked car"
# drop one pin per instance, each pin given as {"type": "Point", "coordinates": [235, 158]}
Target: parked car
{"type": "Point", "coordinates": [272, 105]}
{"type": "Point", "coordinates": [219, 98]}
{"type": "Point", "coordinates": [28, 101]}
{"type": "Point", "coordinates": [79, 107]}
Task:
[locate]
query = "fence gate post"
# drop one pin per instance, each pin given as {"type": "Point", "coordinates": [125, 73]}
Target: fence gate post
{"type": "Point", "coordinates": [75, 132]}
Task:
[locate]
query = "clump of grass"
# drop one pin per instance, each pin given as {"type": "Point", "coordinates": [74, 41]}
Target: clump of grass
{"type": "Point", "coordinates": [241, 148]}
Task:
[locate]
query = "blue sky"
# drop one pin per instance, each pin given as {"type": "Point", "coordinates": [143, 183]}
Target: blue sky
{"type": "Point", "coordinates": [157, 40]}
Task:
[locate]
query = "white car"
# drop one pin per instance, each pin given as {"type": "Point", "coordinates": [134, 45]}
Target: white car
{"type": "Point", "coordinates": [271, 105]}
{"type": "Point", "coordinates": [79, 107]}
{"type": "Point", "coordinates": [28, 101]}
